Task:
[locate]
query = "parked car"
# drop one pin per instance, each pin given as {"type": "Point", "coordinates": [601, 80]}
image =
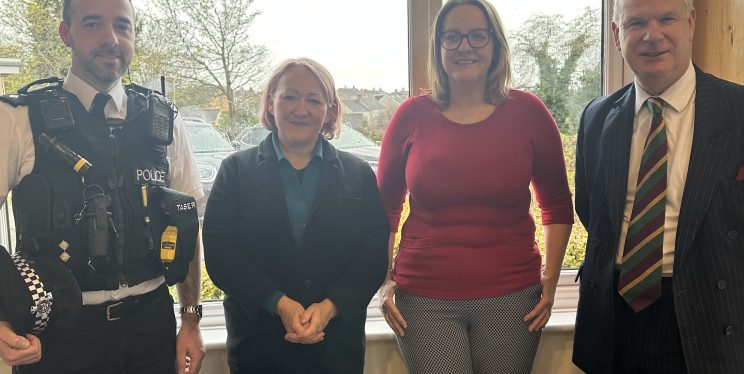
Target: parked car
{"type": "Point", "coordinates": [351, 141]}
{"type": "Point", "coordinates": [210, 147]}
{"type": "Point", "coordinates": [195, 119]}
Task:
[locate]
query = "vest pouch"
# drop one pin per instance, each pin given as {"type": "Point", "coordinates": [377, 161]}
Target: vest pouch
{"type": "Point", "coordinates": [31, 208]}
{"type": "Point", "coordinates": [175, 230]}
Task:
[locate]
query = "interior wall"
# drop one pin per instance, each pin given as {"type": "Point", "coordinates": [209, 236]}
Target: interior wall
{"type": "Point", "coordinates": [718, 47]}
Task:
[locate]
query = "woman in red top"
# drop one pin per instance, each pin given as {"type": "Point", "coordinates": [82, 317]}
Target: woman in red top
{"type": "Point", "coordinates": [467, 293]}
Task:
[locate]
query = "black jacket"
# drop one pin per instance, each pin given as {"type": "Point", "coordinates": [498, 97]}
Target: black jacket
{"type": "Point", "coordinates": [709, 248]}
{"type": "Point", "coordinates": [250, 251]}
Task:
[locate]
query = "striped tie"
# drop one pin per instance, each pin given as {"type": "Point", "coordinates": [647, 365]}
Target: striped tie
{"type": "Point", "coordinates": [640, 271]}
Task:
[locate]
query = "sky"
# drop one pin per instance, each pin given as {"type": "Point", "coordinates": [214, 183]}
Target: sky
{"type": "Point", "coordinates": [363, 43]}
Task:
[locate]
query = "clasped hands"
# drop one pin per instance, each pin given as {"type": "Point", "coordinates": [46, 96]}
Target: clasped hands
{"type": "Point", "coordinates": [305, 326]}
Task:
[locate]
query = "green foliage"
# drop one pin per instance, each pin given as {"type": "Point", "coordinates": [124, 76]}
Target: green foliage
{"type": "Point", "coordinates": [559, 61]}
{"type": "Point", "coordinates": [30, 33]}
{"type": "Point", "coordinates": [373, 130]}
{"type": "Point", "coordinates": [577, 242]}
{"type": "Point", "coordinates": [187, 94]}
{"type": "Point", "coordinates": [247, 105]}
{"type": "Point", "coordinates": [208, 290]}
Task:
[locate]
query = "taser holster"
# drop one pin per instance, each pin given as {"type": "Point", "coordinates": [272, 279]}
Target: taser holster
{"type": "Point", "coordinates": [178, 221]}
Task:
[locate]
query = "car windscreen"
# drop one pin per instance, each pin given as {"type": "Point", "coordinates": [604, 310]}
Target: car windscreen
{"type": "Point", "coordinates": [206, 139]}
{"type": "Point", "coordinates": [351, 138]}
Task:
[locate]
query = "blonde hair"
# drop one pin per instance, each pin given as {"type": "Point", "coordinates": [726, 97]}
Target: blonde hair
{"type": "Point", "coordinates": [498, 80]}
{"type": "Point", "coordinates": [617, 9]}
{"type": "Point", "coordinates": [331, 128]}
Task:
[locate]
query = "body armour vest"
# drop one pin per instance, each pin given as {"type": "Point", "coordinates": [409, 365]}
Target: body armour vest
{"type": "Point", "coordinates": [96, 224]}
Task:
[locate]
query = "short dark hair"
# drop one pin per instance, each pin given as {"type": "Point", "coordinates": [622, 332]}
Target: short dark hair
{"type": "Point", "coordinates": [67, 11]}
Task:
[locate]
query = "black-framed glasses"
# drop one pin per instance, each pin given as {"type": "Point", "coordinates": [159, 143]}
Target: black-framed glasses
{"type": "Point", "coordinates": [478, 38]}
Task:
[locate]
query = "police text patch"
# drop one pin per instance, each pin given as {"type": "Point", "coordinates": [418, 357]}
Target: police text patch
{"type": "Point", "coordinates": [152, 175]}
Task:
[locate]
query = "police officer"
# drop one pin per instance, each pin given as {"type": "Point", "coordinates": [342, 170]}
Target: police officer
{"type": "Point", "coordinates": [93, 214]}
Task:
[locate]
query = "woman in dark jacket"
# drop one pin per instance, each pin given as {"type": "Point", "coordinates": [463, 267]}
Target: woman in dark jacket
{"type": "Point", "coordinates": [295, 234]}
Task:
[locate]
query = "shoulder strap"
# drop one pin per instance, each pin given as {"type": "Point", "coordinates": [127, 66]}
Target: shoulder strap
{"type": "Point", "coordinates": [14, 100]}
{"type": "Point", "coordinates": [49, 82]}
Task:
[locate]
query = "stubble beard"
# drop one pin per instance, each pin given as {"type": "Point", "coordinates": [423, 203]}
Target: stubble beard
{"type": "Point", "coordinates": [103, 75]}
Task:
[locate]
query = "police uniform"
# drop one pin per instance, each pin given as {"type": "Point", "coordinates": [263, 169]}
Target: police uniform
{"type": "Point", "coordinates": [127, 318]}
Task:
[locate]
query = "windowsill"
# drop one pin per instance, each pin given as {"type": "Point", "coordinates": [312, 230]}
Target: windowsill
{"type": "Point", "coordinates": [561, 321]}
{"type": "Point", "coordinates": [215, 334]}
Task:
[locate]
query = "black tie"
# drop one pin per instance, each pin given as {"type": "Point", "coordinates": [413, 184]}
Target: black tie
{"type": "Point", "coordinates": [99, 103]}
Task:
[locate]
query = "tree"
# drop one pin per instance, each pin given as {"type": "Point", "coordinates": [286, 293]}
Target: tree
{"type": "Point", "coordinates": [207, 42]}
{"type": "Point", "coordinates": [559, 62]}
{"type": "Point", "coordinates": [30, 33]}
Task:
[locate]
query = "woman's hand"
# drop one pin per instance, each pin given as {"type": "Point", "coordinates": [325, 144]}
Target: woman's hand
{"type": "Point", "coordinates": [390, 311]}
{"type": "Point", "coordinates": [291, 313]}
{"type": "Point", "coordinates": [315, 318]}
{"type": "Point", "coordinates": [540, 314]}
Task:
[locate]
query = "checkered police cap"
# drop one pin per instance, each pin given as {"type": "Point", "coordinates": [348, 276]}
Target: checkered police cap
{"type": "Point", "coordinates": [37, 295]}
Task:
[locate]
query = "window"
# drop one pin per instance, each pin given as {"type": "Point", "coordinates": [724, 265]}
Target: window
{"type": "Point", "coordinates": [376, 51]}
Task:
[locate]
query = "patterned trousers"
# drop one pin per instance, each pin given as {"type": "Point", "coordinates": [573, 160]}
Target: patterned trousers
{"type": "Point", "coordinates": [468, 336]}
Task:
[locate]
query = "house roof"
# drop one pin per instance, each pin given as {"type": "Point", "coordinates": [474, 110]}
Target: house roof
{"type": "Point", "coordinates": [354, 106]}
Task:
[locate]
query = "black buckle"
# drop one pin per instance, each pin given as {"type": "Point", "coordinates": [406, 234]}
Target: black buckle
{"type": "Point", "coordinates": [109, 309]}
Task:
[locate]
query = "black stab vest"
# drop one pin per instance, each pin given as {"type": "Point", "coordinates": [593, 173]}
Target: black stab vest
{"type": "Point", "coordinates": [46, 203]}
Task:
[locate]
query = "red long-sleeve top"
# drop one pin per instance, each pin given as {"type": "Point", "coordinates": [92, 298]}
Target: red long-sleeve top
{"type": "Point", "coordinates": [469, 233]}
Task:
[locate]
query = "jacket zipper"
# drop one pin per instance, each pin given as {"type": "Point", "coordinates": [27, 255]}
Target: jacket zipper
{"type": "Point", "coordinates": [120, 255]}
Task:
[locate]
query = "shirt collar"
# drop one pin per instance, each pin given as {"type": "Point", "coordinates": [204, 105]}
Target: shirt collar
{"type": "Point", "coordinates": [86, 93]}
{"type": "Point", "coordinates": [317, 152]}
{"type": "Point", "coordinates": [677, 96]}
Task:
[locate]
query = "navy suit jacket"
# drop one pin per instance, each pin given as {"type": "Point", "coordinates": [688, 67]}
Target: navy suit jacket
{"type": "Point", "coordinates": [250, 252]}
{"type": "Point", "coordinates": [709, 248]}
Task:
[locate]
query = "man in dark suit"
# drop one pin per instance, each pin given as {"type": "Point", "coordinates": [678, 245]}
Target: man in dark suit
{"type": "Point", "coordinates": [660, 189]}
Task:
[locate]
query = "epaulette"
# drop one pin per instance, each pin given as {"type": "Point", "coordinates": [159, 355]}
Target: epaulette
{"type": "Point", "coordinates": [21, 98]}
{"type": "Point", "coordinates": [48, 83]}
{"type": "Point", "coordinates": [14, 100]}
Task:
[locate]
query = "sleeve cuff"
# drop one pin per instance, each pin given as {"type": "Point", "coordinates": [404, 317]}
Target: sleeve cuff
{"type": "Point", "coordinates": [270, 303]}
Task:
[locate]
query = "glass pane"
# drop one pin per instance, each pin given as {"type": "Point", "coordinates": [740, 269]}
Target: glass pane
{"type": "Point", "coordinates": [556, 55]}
{"type": "Point", "coordinates": [368, 60]}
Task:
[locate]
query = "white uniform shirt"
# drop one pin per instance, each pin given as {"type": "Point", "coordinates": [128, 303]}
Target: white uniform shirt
{"type": "Point", "coordinates": [17, 160]}
{"type": "Point", "coordinates": [679, 118]}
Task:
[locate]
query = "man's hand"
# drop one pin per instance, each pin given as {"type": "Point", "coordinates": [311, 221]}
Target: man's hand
{"type": "Point", "coordinates": [315, 318]}
{"type": "Point", "coordinates": [18, 350]}
{"type": "Point", "coordinates": [189, 345]}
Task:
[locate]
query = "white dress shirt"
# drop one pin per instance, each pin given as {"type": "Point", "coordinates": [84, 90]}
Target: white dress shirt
{"type": "Point", "coordinates": [17, 161]}
{"type": "Point", "coordinates": [679, 117]}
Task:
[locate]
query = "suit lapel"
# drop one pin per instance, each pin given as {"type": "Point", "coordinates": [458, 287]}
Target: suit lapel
{"type": "Point", "coordinates": [616, 139]}
{"type": "Point", "coordinates": [710, 146]}
{"type": "Point", "coordinates": [269, 166]}
{"type": "Point", "coordinates": [328, 179]}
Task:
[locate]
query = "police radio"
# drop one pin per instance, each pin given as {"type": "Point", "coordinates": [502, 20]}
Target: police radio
{"type": "Point", "coordinates": [161, 115]}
